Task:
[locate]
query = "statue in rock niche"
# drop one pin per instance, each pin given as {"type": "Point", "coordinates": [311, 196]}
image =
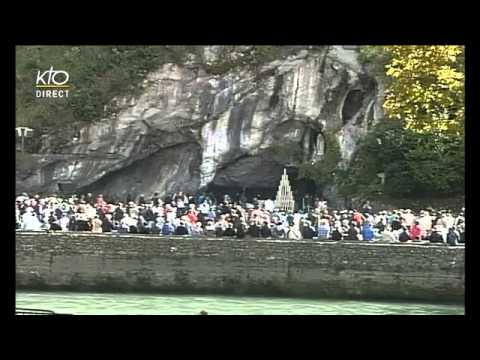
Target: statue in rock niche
{"type": "Point", "coordinates": [318, 148]}
{"type": "Point", "coordinates": [314, 141]}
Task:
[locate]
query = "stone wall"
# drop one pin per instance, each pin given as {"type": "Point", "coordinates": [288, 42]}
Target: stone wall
{"type": "Point", "coordinates": [101, 262]}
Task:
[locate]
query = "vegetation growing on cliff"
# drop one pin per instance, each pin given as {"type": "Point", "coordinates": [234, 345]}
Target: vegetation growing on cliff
{"type": "Point", "coordinates": [323, 172]}
{"type": "Point", "coordinates": [421, 148]}
{"type": "Point", "coordinates": [414, 164]}
{"type": "Point", "coordinates": [235, 56]}
{"type": "Point", "coordinates": [100, 73]}
{"type": "Point", "coordinates": [97, 74]}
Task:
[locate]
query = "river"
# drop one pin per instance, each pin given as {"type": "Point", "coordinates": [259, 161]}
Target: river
{"type": "Point", "coordinates": [148, 304]}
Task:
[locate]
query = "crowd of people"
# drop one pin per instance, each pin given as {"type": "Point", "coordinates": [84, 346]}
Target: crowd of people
{"type": "Point", "coordinates": [203, 215]}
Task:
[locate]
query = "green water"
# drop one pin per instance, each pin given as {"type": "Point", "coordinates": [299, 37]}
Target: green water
{"type": "Point", "coordinates": [141, 304]}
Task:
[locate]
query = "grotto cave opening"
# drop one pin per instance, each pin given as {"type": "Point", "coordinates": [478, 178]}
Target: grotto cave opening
{"type": "Point", "coordinates": [305, 190]}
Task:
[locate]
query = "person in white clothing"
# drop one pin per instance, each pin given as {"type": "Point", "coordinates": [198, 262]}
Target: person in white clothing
{"type": "Point", "coordinates": [30, 221]}
{"type": "Point", "coordinates": [269, 205]}
{"type": "Point", "coordinates": [64, 222]}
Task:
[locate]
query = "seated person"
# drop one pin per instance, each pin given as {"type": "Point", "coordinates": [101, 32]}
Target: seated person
{"type": "Point", "coordinates": [336, 234]}
{"type": "Point", "coordinates": [229, 231]}
{"type": "Point", "coordinates": [352, 233]}
{"type": "Point", "coordinates": [181, 229]}
{"type": "Point", "coordinates": [403, 236]}
{"type": "Point", "coordinates": [265, 231]}
{"type": "Point", "coordinates": [308, 231]}
{"type": "Point", "coordinates": [436, 236]}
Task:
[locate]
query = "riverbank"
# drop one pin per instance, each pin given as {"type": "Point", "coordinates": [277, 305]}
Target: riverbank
{"type": "Point", "coordinates": [147, 263]}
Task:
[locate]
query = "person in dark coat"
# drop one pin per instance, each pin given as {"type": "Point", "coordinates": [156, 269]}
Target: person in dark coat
{"type": "Point", "coordinates": [229, 231]}
{"type": "Point", "coordinates": [181, 229]}
{"type": "Point", "coordinates": [290, 219]}
{"type": "Point", "coordinates": [435, 236]}
{"type": "Point", "coordinates": [307, 231]}
{"type": "Point", "coordinates": [53, 224]}
{"type": "Point", "coordinates": [403, 236]}
{"type": "Point", "coordinates": [72, 224]}
{"type": "Point", "coordinates": [453, 237]}
{"type": "Point", "coordinates": [352, 233]}
{"type": "Point", "coordinates": [219, 231]}
{"type": "Point", "coordinates": [396, 224]}
{"type": "Point", "coordinates": [240, 230]}
{"type": "Point", "coordinates": [148, 214]}
{"type": "Point", "coordinates": [336, 234]}
{"type": "Point", "coordinates": [253, 230]}
{"type": "Point", "coordinates": [167, 228]}
{"type": "Point", "coordinates": [107, 225]}
{"type": "Point", "coordinates": [118, 214]}
{"type": "Point", "coordinates": [265, 231]}
{"type": "Point", "coordinates": [380, 226]}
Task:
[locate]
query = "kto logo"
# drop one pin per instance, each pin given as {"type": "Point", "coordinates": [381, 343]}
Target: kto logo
{"type": "Point", "coordinates": [52, 83]}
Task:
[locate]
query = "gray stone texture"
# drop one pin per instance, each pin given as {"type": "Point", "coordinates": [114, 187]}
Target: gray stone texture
{"type": "Point", "coordinates": [189, 128]}
{"type": "Point", "coordinates": [101, 262]}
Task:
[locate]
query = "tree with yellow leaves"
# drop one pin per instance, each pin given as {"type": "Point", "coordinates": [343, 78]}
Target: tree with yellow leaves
{"type": "Point", "coordinates": [425, 87]}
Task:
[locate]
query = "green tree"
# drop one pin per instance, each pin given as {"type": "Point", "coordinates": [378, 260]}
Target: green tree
{"type": "Point", "coordinates": [414, 163]}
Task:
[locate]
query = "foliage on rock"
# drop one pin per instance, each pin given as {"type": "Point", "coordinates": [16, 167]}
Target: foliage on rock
{"type": "Point", "coordinates": [414, 164]}
{"type": "Point", "coordinates": [97, 74]}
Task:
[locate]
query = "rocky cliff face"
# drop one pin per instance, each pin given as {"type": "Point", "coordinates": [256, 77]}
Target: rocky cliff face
{"type": "Point", "coordinates": [190, 128]}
